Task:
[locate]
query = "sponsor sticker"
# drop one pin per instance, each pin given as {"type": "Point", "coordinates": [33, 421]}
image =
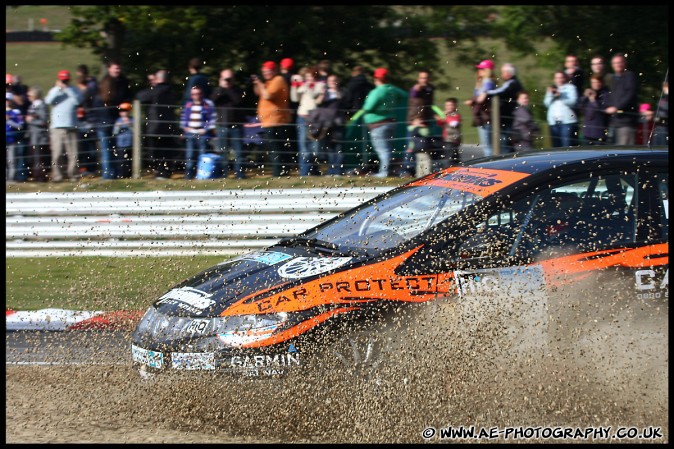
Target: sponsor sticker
{"type": "Point", "coordinates": [193, 360]}
{"type": "Point", "coordinates": [150, 358]}
{"type": "Point", "coordinates": [266, 257]}
{"type": "Point", "coordinates": [302, 267]}
{"type": "Point", "coordinates": [195, 299]}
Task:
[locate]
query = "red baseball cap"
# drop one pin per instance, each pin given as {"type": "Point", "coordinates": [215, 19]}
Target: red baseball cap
{"type": "Point", "coordinates": [269, 65]}
{"type": "Point", "coordinates": [486, 64]}
{"type": "Point", "coordinates": [380, 73]}
{"type": "Point", "coordinates": [287, 63]}
{"type": "Point", "coordinates": [64, 75]}
{"type": "Point", "coordinates": [8, 78]}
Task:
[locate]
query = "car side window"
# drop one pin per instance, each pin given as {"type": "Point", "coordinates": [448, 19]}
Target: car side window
{"type": "Point", "coordinates": [583, 215]}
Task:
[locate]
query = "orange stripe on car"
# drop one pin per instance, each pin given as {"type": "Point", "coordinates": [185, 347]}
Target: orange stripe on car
{"type": "Point", "coordinates": [480, 181]}
{"type": "Point", "coordinates": [298, 329]}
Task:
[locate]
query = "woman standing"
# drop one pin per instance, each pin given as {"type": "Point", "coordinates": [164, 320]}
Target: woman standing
{"type": "Point", "coordinates": [305, 92]}
{"type": "Point", "coordinates": [560, 99]}
{"type": "Point", "coordinates": [481, 110]}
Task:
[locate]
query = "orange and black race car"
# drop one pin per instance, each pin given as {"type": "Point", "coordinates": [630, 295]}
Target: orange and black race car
{"type": "Point", "coordinates": [542, 218]}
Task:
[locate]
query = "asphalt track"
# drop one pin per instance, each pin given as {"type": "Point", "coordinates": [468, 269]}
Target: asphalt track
{"type": "Point", "coordinates": [96, 347]}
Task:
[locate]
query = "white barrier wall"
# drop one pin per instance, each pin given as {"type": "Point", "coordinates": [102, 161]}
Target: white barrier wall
{"type": "Point", "coordinates": [167, 223]}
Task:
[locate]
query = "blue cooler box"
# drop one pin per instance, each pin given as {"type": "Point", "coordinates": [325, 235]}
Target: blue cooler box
{"type": "Point", "coordinates": [209, 166]}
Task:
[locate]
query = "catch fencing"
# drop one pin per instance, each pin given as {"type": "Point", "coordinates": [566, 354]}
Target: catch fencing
{"type": "Point", "coordinates": [161, 223]}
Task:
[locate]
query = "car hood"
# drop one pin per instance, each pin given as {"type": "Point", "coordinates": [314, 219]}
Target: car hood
{"type": "Point", "coordinates": [214, 290]}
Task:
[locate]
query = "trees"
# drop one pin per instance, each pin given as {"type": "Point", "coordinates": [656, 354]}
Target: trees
{"type": "Point", "coordinates": [145, 38]}
{"type": "Point", "coordinates": [641, 32]}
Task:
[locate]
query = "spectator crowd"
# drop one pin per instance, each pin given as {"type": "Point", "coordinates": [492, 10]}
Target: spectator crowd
{"type": "Point", "coordinates": [303, 121]}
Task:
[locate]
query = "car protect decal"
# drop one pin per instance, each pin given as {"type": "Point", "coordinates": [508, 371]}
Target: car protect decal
{"type": "Point", "coordinates": [479, 181]}
{"type": "Point", "coordinates": [368, 282]}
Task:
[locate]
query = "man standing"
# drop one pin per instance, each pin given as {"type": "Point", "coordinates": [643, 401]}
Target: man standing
{"type": "Point", "coordinates": [197, 122]}
{"type": "Point", "coordinates": [622, 102]}
{"type": "Point", "coordinates": [113, 89]}
{"type": "Point", "coordinates": [382, 110]}
{"type": "Point", "coordinates": [196, 78]}
{"type": "Point", "coordinates": [507, 93]}
{"type": "Point", "coordinates": [274, 114]}
{"type": "Point", "coordinates": [161, 126]}
{"type": "Point", "coordinates": [227, 98]}
{"type": "Point", "coordinates": [64, 100]}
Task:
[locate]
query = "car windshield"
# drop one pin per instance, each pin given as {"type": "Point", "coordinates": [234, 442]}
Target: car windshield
{"type": "Point", "coordinates": [395, 218]}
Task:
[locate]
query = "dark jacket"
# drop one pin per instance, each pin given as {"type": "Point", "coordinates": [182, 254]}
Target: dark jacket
{"type": "Point", "coordinates": [228, 104]}
{"type": "Point", "coordinates": [161, 110]}
{"type": "Point", "coordinates": [419, 103]}
{"type": "Point", "coordinates": [355, 92]}
{"type": "Point", "coordinates": [623, 95]}
{"type": "Point", "coordinates": [198, 79]}
{"type": "Point", "coordinates": [525, 129]}
{"type": "Point", "coordinates": [106, 112]}
{"type": "Point", "coordinates": [507, 93]}
{"type": "Point", "coordinates": [595, 121]}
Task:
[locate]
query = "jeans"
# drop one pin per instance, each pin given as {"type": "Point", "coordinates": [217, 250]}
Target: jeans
{"type": "Point", "coordinates": [382, 142]}
{"type": "Point", "coordinates": [232, 137]}
{"type": "Point", "coordinates": [484, 136]}
{"type": "Point", "coordinates": [198, 142]}
{"type": "Point", "coordinates": [307, 148]}
{"type": "Point", "coordinates": [562, 134]}
{"type": "Point", "coordinates": [111, 159]}
{"type": "Point", "coordinates": [276, 144]}
{"type": "Point", "coordinates": [660, 136]}
{"type": "Point", "coordinates": [331, 144]}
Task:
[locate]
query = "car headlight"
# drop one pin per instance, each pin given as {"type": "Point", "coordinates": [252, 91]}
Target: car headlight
{"type": "Point", "coordinates": [242, 329]}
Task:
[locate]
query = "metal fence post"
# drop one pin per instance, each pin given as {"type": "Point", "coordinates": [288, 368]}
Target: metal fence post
{"type": "Point", "coordinates": [136, 152]}
{"type": "Point", "coordinates": [495, 125]}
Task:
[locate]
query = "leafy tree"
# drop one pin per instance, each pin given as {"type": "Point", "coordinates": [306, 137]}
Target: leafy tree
{"type": "Point", "coordinates": [640, 31]}
{"type": "Point", "coordinates": [145, 38]}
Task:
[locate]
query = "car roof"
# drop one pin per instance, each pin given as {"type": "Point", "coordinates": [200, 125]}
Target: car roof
{"type": "Point", "coordinates": [537, 161]}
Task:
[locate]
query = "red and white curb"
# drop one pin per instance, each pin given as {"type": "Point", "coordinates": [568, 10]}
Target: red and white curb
{"type": "Point", "coordinates": [63, 320]}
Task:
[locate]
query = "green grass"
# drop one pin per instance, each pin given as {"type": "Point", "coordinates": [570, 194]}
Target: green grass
{"type": "Point", "coordinates": [18, 18]}
{"type": "Point", "coordinates": [38, 62]}
{"type": "Point", "coordinates": [150, 184]}
{"type": "Point", "coordinates": [95, 283]}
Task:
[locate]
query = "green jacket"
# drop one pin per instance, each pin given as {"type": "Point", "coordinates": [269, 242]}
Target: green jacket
{"type": "Point", "coordinates": [385, 101]}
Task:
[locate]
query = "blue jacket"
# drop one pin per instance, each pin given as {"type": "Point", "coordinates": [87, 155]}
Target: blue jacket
{"type": "Point", "coordinates": [123, 133]}
{"type": "Point", "coordinates": [13, 124]}
{"type": "Point", "coordinates": [560, 109]}
{"type": "Point", "coordinates": [64, 103]}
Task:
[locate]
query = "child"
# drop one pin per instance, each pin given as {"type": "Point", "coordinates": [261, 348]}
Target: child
{"type": "Point", "coordinates": [419, 141]}
{"type": "Point", "coordinates": [525, 129]}
{"type": "Point", "coordinates": [451, 133]}
{"type": "Point", "coordinates": [123, 132]}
